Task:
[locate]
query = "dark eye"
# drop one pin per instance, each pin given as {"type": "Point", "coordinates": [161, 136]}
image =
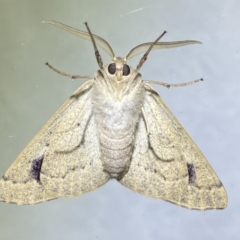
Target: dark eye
{"type": "Point", "coordinates": [112, 68]}
{"type": "Point", "coordinates": [126, 70]}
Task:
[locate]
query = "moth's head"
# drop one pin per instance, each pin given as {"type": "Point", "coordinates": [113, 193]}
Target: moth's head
{"type": "Point", "coordinates": [118, 69]}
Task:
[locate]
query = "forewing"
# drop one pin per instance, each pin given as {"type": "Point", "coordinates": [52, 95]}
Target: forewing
{"type": "Point", "coordinates": [62, 160]}
{"type": "Point", "coordinates": [167, 164]}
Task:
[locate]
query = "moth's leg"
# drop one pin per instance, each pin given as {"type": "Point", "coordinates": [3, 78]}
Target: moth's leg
{"type": "Point", "coordinates": [65, 74]}
{"type": "Point", "coordinates": [174, 84]}
{"type": "Point", "coordinates": [145, 120]}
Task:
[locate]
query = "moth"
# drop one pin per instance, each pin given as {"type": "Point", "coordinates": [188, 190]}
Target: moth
{"type": "Point", "coordinates": [115, 126]}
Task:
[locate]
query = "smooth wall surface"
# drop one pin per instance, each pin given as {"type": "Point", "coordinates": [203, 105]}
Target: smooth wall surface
{"type": "Point", "coordinates": [30, 93]}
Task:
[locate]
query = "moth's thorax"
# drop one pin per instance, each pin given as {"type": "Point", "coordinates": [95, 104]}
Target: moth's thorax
{"type": "Point", "coordinates": [117, 108]}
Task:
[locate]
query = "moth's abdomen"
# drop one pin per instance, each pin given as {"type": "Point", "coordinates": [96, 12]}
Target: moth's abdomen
{"type": "Point", "coordinates": [116, 150]}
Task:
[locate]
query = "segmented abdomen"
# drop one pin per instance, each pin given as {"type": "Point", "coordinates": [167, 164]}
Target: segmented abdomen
{"type": "Point", "coordinates": [116, 149]}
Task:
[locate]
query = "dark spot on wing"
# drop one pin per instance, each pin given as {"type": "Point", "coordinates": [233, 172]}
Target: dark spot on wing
{"type": "Point", "coordinates": [36, 168]}
{"type": "Point", "coordinates": [4, 178]}
{"type": "Point", "coordinates": [191, 173]}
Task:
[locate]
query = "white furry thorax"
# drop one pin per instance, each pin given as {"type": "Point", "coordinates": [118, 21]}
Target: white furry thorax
{"type": "Point", "coordinates": [117, 104]}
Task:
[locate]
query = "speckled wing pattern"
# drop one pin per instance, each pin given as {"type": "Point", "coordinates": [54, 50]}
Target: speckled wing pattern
{"type": "Point", "coordinates": [62, 160]}
{"type": "Point", "coordinates": [167, 164]}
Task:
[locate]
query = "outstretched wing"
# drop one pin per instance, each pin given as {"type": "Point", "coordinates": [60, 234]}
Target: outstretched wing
{"type": "Point", "coordinates": [62, 160]}
{"type": "Point", "coordinates": [167, 164]}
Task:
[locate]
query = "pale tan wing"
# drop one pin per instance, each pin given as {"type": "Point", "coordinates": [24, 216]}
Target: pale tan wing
{"type": "Point", "coordinates": [62, 160]}
{"type": "Point", "coordinates": [167, 164]}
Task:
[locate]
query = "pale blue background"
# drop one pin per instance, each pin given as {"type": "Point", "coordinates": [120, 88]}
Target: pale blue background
{"type": "Point", "coordinates": [30, 93]}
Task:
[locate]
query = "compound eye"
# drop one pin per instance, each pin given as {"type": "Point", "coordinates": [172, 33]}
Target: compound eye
{"type": "Point", "coordinates": [126, 70]}
{"type": "Point", "coordinates": [112, 68]}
